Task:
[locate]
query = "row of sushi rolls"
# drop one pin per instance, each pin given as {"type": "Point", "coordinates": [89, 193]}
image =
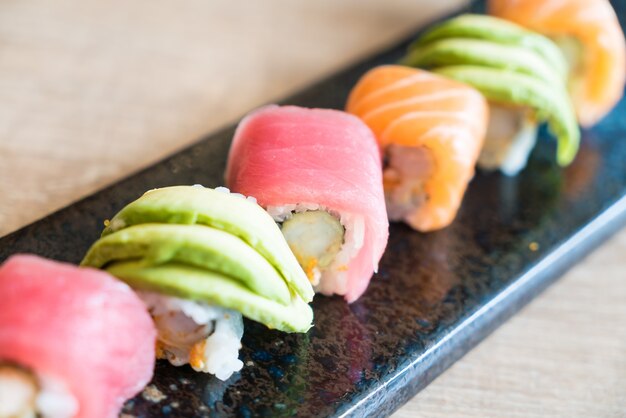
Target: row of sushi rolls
{"type": "Point", "coordinates": [307, 209]}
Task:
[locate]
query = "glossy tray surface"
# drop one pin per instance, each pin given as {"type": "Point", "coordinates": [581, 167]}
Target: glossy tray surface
{"type": "Point", "coordinates": [434, 298]}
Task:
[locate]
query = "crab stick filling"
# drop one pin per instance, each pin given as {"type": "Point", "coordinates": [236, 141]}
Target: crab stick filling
{"type": "Point", "coordinates": [206, 337]}
{"type": "Point", "coordinates": [407, 169]}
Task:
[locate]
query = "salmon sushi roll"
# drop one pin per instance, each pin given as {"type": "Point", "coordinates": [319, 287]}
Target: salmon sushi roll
{"type": "Point", "coordinates": [318, 173]}
{"type": "Point", "coordinates": [73, 342]}
{"type": "Point", "coordinates": [431, 130]}
{"type": "Point", "coordinates": [589, 34]}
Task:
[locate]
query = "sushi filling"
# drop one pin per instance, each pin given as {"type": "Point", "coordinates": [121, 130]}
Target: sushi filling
{"type": "Point", "coordinates": [25, 395]}
{"type": "Point", "coordinates": [511, 136]}
{"type": "Point", "coordinates": [324, 242]}
{"type": "Point", "coordinates": [315, 237]}
{"type": "Point", "coordinates": [206, 337]}
{"type": "Point", "coordinates": [406, 171]}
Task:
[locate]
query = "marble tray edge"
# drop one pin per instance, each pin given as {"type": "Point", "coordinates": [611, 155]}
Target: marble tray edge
{"type": "Point", "coordinates": [406, 382]}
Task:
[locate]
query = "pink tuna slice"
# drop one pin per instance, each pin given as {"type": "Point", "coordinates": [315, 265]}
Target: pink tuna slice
{"type": "Point", "coordinates": [289, 155]}
{"type": "Point", "coordinates": [78, 325]}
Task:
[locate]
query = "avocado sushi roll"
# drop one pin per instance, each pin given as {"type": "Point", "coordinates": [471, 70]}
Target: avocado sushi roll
{"type": "Point", "coordinates": [589, 34]}
{"type": "Point", "coordinates": [522, 74]}
{"type": "Point", "coordinates": [201, 259]}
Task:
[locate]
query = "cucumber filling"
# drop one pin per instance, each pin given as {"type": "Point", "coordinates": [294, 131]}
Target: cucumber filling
{"type": "Point", "coordinates": [324, 241]}
{"type": "Point", "coordinates": [511, 136]}
{"type": "Point", "coordinates": [315, 237]}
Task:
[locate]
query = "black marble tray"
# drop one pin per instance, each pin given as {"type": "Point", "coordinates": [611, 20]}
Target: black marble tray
{"type": "Point", "coordinates": [435, 297]}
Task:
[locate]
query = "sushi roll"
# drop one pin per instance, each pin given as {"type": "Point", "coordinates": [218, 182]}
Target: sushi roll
{"type": "Point", "coordinates": [73, 342]}
{"type": "Point", "coordinates": [590, 36]}
{"type": "Point", "coordinates": [521, 73]}
{"type": "Point", "coordinates": [201, 259]}
{"type": "Point", "coordinates": [318, 173]}
{"type": "Point", "coordinates": [431, 129]}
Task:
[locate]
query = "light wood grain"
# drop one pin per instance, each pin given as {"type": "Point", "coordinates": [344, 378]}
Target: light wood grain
{"type": "Point", "coordinates": [562, 356]}
{"type": "Point", "coordinates": [91, 91]}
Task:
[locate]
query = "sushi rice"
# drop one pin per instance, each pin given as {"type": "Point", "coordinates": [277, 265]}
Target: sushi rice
{"type": "Point", "coordinates": [24, 395]}
{"type": "Point", "coordinates": [511, 136]}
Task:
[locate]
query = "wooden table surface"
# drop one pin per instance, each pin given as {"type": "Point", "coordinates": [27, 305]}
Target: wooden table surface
{"type": "Point", "coordinates": [91, 91]}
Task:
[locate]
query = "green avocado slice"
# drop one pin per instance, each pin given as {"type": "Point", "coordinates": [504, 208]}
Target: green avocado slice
{"type": "Point", "coordinates": [189, 205]}
{"type": "Point", "coordinates": [549, 102]}
{"type": "Point", "coordinates": [198, 284]}
{"type": "Point", "coordinates": [199, 246]}
{"type": "Point", "coordinates": [498, 31]}
{"type": "Point", "coordinates": [462, 51]}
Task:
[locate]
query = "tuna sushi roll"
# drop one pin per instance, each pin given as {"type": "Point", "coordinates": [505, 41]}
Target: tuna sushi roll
{"type": "Point", "coordinates": [201, 259]}
{"type": "Point", "coordinates": [431, 130]}
{"type": "Point", "coordinates": [318, 173]}
{"type": "Point", "coordinates": [73, 342]}
{"type": "Point", "coordinates": [590, 36]}
{"type": "Point", "coordinates": [523, 76]}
